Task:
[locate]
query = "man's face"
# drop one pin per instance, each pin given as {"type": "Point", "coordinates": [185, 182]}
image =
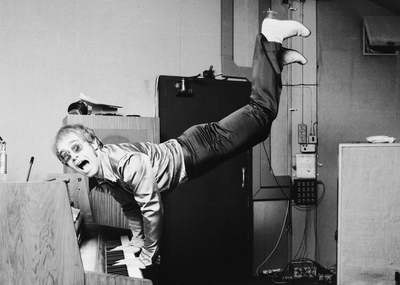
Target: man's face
{"type": "Point", "coordinates": [78, 154]}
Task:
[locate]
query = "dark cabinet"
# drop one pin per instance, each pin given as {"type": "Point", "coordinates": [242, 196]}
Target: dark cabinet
{"type": "Point", "coordinates": [208, 220]}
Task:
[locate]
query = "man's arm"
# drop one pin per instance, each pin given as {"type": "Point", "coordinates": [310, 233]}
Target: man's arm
{"type": "Point", "coordinates": [132, 212]}
{"type": "Point", "coordinates": [136, 170]}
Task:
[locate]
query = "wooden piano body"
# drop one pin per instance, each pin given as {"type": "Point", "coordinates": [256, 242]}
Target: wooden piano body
{"type": "Point", "coordinates": [39, 244]}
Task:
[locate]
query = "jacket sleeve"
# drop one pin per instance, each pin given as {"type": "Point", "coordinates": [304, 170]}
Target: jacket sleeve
{"type": "Point", "coordinates": [132, 212]}
{"type": "Point", "coordinates": [136, 171]}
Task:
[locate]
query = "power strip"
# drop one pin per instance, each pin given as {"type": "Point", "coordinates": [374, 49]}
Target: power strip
{"type": "Point", "coordinates": [302, 133]}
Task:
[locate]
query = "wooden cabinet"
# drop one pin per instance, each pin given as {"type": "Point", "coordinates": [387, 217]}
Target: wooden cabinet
{"type": "Point", "coordinates": [119, 129]}
{"type": "Point", "coordinates": [207, 220]}
{"type": "Point", "coordinates": [368, 213]}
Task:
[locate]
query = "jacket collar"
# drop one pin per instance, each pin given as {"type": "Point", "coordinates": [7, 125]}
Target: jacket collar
{"type": "Point", "coordinates": [106, 168]}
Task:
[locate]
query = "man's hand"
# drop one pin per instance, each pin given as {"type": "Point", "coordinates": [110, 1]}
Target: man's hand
{"type": "Point", "coordinates": [132, 261]}
{"type": "Point", "coordinates": [132, 246]}
{"type": "Point", "coordinates": [127, 249]}
{"type": "Point", "coordinates": [137, 242]}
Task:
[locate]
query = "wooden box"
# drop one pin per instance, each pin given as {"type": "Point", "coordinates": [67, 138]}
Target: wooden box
{"type": "Point", "coordinates": [368, 214]}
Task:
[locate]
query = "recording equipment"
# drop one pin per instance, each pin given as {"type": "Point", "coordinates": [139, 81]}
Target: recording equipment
{"type": "Point", "coordinates": [302, 270]}
{"type": "Point", "coordinates": [209, 74]}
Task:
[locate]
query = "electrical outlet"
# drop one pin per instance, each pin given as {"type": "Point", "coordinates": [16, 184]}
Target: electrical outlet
{"type": "Point", "coordinates": [312, 139]}
{"type": "Point", "coordinates": [302, 133]}
{"type": "Point", "coordinates": [306, 165]}
{"type": "Point", "coordinates": [308, 148]}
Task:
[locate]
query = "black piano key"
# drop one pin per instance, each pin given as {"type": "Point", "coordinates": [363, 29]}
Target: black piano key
{"type": "Point", "coordinates": [112, 244]}
{"type": "Point", "coordinates": [110, 247]}
{"type": "Point", "coordinates": [118, 269]}
{"type": "Point", "coordinates": [115, 252]}
{"type": "Point", "coordinates": [113, 256]}
{"type": "Point", "coordinates": [112, 262]}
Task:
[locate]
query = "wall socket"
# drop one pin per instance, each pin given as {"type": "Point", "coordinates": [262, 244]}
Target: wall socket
{"type": "Point", "coordinates": [306, 165]}
{"type": "Point", "coordinates": [308, 148]}
{"type": "Point", "coordinates": [312, 139]}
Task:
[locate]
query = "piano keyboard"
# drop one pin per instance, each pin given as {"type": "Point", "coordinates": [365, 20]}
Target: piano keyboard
{"type": "Point", "coordinates": [123, 252]}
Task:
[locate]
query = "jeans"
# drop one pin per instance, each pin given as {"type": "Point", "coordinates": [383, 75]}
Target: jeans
{"type": "Point", "coordinates": [206, 145]}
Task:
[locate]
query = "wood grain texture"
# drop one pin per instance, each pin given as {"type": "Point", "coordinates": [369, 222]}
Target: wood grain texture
{"type": "Point", "coordinates": [93, 278]}
{"type": "Point", "coordinates": [78, 192]}
{"type": "Point", "coordinates": [133, 129]}
{"type": "Point", "coordinates": [37, 237]}
{"type": "Point", "coordinates": [106, 210]}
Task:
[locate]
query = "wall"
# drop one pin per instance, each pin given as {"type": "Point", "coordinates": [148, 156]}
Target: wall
{"type": "Point", "coordinates": [358, 96]}
{"type": "Point", "coordinates": [113, 51]}
{"type": "Point", "coordinates": [51, 50]}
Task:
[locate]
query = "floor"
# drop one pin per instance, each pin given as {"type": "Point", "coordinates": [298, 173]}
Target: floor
{"type": "Point", "coordinates": [186, 278]}
{"type": "Point", "coordinates": [249, 281]}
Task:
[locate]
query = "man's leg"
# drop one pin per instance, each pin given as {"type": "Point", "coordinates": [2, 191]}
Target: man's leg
{"type": "Point", "coordinates": [206, 145]}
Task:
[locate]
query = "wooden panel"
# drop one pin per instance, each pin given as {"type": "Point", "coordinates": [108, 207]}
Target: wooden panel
{"type": "Point", "coordinates": [129, 129]}
{"type": "Point", "coordinates": [92, 278]}
{"type": "Point", "coordinates": [78, 192]}
{"type": "Point", "coordinates": [37, 237]}
{"type": "Point", "coordinates": [107, 211]}
{"type": "Point", "coordinates": [269, 218]}
{"type": "Point", "coordinates": [244, 29]}
{"type": "Point", "coordinates": [368, 215]}
{"type": "Point", "coordinates": [302, 101]}
{"type": "Point", "coordinates": [267, 185]}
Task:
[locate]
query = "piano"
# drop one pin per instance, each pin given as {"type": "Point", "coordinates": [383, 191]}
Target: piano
{"type": "Point", "coordinates": [107, 250]}
{"type": "Point", "coordinates": [49, 236]}
{"type": "Point", "coordinates": [116, 252]}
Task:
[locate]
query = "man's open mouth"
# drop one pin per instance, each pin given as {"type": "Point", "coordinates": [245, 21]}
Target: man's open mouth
{"type": "Point", "coordinates": [82, 164]}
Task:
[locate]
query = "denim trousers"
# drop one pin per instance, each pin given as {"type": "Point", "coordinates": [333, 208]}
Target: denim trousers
{"type": "Point", "coordinates": [206, 145]}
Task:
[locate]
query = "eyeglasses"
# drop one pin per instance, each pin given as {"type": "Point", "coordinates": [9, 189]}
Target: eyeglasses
{"type": "Point", "coordinates": [65, 155]}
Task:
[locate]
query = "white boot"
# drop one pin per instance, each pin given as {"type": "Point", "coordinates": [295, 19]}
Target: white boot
{"type": "Point", "coordinates": [292, 56]}
{"type": "Point", "coordinates": [278, 30]}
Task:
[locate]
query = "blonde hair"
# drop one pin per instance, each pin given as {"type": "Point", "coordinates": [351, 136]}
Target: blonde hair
{"type": "Point", "coordinates": [83, 132]}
